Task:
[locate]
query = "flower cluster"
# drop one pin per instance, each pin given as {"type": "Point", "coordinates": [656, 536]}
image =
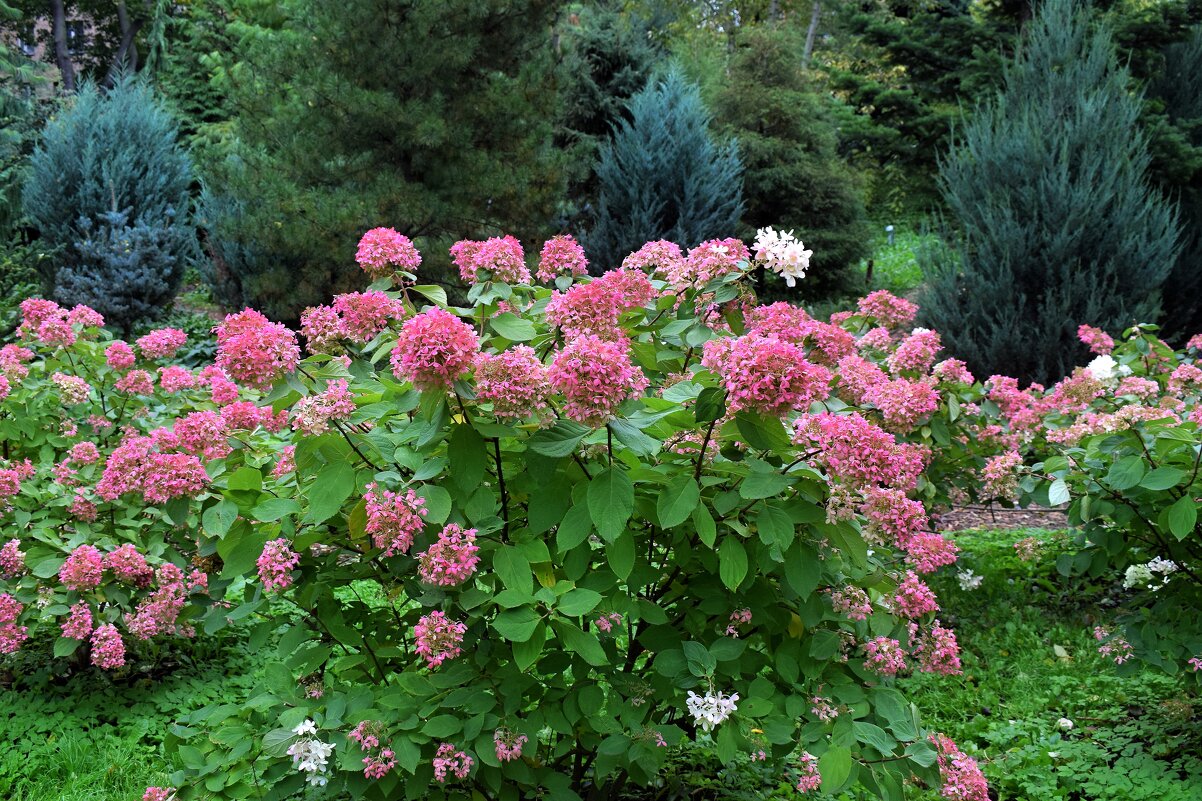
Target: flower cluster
{"type": "Point", "coordinates": [276, 564]}
{"type": "Point", "coordinates": [711, 709]}
{"type": "Point", "coordinates": [782, 253]}
{"type": "Point", "coordinates": [594, 377]}
{"type": "Point", "coordinates": [314, 413]}
{"type": "Point", "coordinates": [393, 519]}
{"type": "Point", "coordinates": [499, 258]}
{"type": "Point", "coordinates": [438, 638]}
{"type": "Point", "coordinates": [452, 559]}
{"type": "Point", "coordinates": [561, 255]}
{"type": "Point", "coordinates": [962, 777]}
{"type": "Point", "coordinates": [450, 762]}
{"type": "Point", "coordinates": [310, 755]}
{"type": "Point", "coordinates": [766, 375]}
{"type": "Point", "coordinates": [514, 382]}
{"type": "Point", "coordinates": [254, 350]}
{"type": "Point", "coordinates": [434, 349]}
{"type": "Point", "coordinates": [383, 250]}
{"type": "Point", "coordinates": [12, 635]}
{"type": "Point", "coordinates": [508, 744]}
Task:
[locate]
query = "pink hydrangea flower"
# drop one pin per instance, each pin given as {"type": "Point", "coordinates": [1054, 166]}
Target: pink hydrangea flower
{"type": "Point", "coordinates": [962, 777]}
{"type": "Point", "coordinates": [449, 762]}
{"type": "Point", "coordinates": [83, 569]}
{"type": "Point", "coordinates": [174, 378]}
{"type": "Point", "coordinates": [276, 564]}
{"type": "Point", "coordinates": [434, 349]}
{"type": "Point", "coordinates": [362, 315]}
{"type": "Point", "coordinates": [1113, 646]}
{"type": "Point", "coordinates": [858, 453]}
{"type": "Point", "coordinates": [12, 561]}
{"type": "Point", "coordinates": [660, 257]}
{"type": "Point", "coordinates": [916, 353]}
{"type": "Point", "coordinates": [999, 479]}
{"type": "Point", "coordinates": [12, 634]}
{"type": "Point", "coordinates": [162, 343]}
{"type": "Point", "coordinates": [452, 559]}
{"type": "Point", "coordinates": [286, 463]}
{"type": "Point", "coordinates": [254, 350]}
{"type": "Point", "coordinates": [514, 382]}
{"type": "Point", "coordinates": [766, 375]}
{"type": "Point", "coordinates": [382, 251]}
{"type": "Point", "coordinates": [321, 327]}
{"type": "Point", "coordinates": [499, 258]}
{"type": "Point", "coordinates": [314, 413]}
{"type": "Point", "coordinates": [561, 255]}
{"type": "Point", "coordinates": [136, 382]}
{"type": "Point", "coordinates": [903, 403]}
{"type": "Point", "coordinates": [108, 650]}
{"type": "Point", "coordinates": [85, 317]}
{"type": "Point", "coordinates": [913, 597]}
{"type": "Point", "coordinates": [595, 377]}
{"type": "Point", "coordinates": [1096, 339]}
{"type": "Point", "coordinates": [809, 779]}
{"type": "Point", "coordinates": [158, 794]}
{"type": "Point", "coordinates": [709, 260]}
{"type": "Point", "coordinates": [885, 656]}
{"type": "Point", "coordinates": [120, 356]}
{"type": "Point", "coordinates": [157, 613]}
{"type": "Point", "coordinates": [377, 767]}
{"type": "Point", "coordinates": [78, 625]}
{"type": "Point", "coordinates": [938, 651]}
{"type": "Point", "coordinates": [606, 623]}
{"type": "Point", "coordinates": [953, 371]}
{"type": "Point", "coordinates": [393, 519]}
{"type": "Point", "coordinates": [129, 566]}
{"type": "Point", "coordinates": [851, 601]}
{"type": "Point", "coordinates": [508, 744]}
{"type": "Point", "coordinates": [72, 389]}
{"type": "Point", "coordinates": [438, 638]}
{"type": "Point", "coordinates": [927, 551]}
{"type": "Point", "coordinates": [888, 309]}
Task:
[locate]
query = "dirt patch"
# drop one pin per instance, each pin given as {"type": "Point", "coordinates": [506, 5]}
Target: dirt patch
{"type": "Point", "coordinates": [998, 517]}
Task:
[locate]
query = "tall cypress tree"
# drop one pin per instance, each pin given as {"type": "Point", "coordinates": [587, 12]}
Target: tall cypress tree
{"type": "Point", "coordinates": [1056, 223]}
{"type": "Point", "coordinates": [794, 178]}
{"type": "Point", "coordinates": [663, 175]}
{"type": "Point", "coordinates": [432, 117]}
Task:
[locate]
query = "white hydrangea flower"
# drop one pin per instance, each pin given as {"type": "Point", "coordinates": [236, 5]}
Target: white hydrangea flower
{"type": "Point", "coordinates": [1145, 575]}
{"type": "Point", "coordinates": [310, 755]}
{"type": "Point", "coordinates": [782, 253]}
{"type": "Point", "coordinates": [969, 580]}
{"type": "Point", "coordinates": [1103, 368]}
{"type": "Point", "coordinates": [305, 727]}
{"type": "Point", "coordinates": [711, 709]}
{"type": "Point", "coordinates": [1065, 724]}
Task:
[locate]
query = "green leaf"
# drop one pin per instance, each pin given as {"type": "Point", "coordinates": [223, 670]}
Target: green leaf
{"type": "Point", "coordinates": [273, 509]}
{"type": "Point", "coordinates": [559, 440]}
{"type": "Point", "coordinates": [677, 501]}
{"type": "Point", "coordinates": [584, 643]}
{"type": "Point", "coordinates": [1162, 478]}
{"type": "Point", "coordinates": [527, 653]}
{"type": "Point", "coordinates": [732, 562]}
{"type": "Point", "coordinates": [621, 555]}
{"type": "Point", "coordinates": [1058, 493]}
{"type": "Point", "coordinates": [633, 438]}
{"type": "Point", "coordinates": [835, 767]}
{"type": "Point", "coordinates": [1183, 517]}
{"type": "Point", "coordinates": [762, 432]}
{"type": "Point", "coordinates": [432, 292]}
{"type": "Point", "coordinates": [710, 405]}
{"type": "Point", "coordinates": [763, 484]}
{"type": "Point", "coordinates": [334, 484]}
{"type": "Point", "coordinates": [873, 735]}
{"type": "Point", "coordinates": [574, 529]}
{"type": "Point", "coordinates": [610, 502]}
{"type": "Point", "coordinates": [512, 327]}
{"type": "Point", "coordinates": [512, 567]}
{"type": "Point", "coordinates": [775, 526]}
{"type": "Point", "coordinates": [438, 502]}
{"type": "Point", "coordinates": [1126, 473]}
{"type": "Point", "coordinates": [703, 521]}
{"type": "Point", "coordinates": [65, 646]}
{"type": "Point", "coordinates": [803, 569]}
{"type": "Point", "coordinates": [218, 518]}
{"type": "Point", "coordinates": [578, 601]}
{"type": "Point", "coordinates": [245, 478]}
{"type": "Point", "coordinates": [517, 625]}
{"type": "Point", "coordinates": [468, 456]}
{"type": "Point", "coordinates": [442, 726]}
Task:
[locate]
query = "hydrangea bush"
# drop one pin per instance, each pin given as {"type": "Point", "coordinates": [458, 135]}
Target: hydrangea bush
{"type": "Point", "coordinates": [108, 455]}
{"type": "Point", "coordinates": [529, 545]}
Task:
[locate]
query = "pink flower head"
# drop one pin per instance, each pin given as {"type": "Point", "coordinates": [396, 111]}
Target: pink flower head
{"type": "Point", "coordinates": [377, 767]}
{"type": "Point", "coordinates": [35, 311]}
{"type": "Point", "coordinates": [72, 389]}
{"type": "Point", "coordinates": [738, 619]}
{"type": "Point", "coordinates": [885, 656]}
{"type": "Point", "coordinates": [913, 597]}
{"type": "Point", "coordinates": [903, 403]}
{"type": "Point", "coordinates": [161, 343]}
{"type": "Point", "coordinates": [12, 634]}
{"type": "Point", "coordinates": [56, 332]}
{"type": "Point", "coordinates": [851, 601]}
{"type": "Point", "coordinates": [515, 382]}
{"type": "Point", "coordinates": [174, 378]}
{"type": "Point", "coordinates": [85, 317]}
{"type": "Point", "coordinates": [120, 356]}
{"type": "Point", "coordinates": [891, 516]}
{"type": "Point", "coordinates": [595, 377]}
{"type": "Point", "coordinates": [276, 564]}
{"type": "Point", "coordinates": [82, 453]}
{"type": "Point", "coordinates": [314, 413]}
{"type": "Point", "coordinates": [383, 249]}
{"type": "Point", "coordinates": [438, 638]}
{"type": "Point", "coordinates": [767, 375]}
{"type": "Point", "coordinates": [78, 625]}
{"type": "Point", "coordinates": [321, 327]}
{"type": "Point", "coordinates": [606, 623]}
{"type": "Point", "coordinates": [452, 559]}
{"type": "Point", "coordinates": [366, 734]}
{"type": "Point", "coordinates": [12, 561]}
{"type": "Point", "coordinates": [499, 258]}
{"type": "Point", "coordinates": [83, 569]}
{"type": "Point", "coordinates": [857, 377]}
{"type": "Point", "coordinates": [661, 257]}
{"type": "Point", "coordinates": [1113, 646]}
{"type": "Point", "coordinates": [286, 463]}
{"type": "Point", "coordinates": [158, 794]}
{"type": "Point", "coordinates": [953, 371]}
{"type": "Point", "coordinates": [878, 338]}
{"type": "Point", "coordinates": [999, 479]}
{"type": "Point", "coordinates": [916, 353]}
{"type": "Point", "coordinates": [938, 651]}
{"type": "Point", "coordinates": [508, 744]}
{"type": "Point", "coordinates": [1099, 341]}
{"type": "Point", "coordinates": [449, 762]}
{"type": "Point", "coordinates": [888, 309]}
{"type": "Point", "coordinates": [962, 778]}
{"type": "Point", "coordinates": [784, 321]}
{"type": "Point", "coordinates": [136, 382]}
{"type": "Point", "coordinates": [129, 566]}
{"type": "Point", "coordinates": [108, 650]}
{"type": "Point", "coordinates": [809, 779]}
{"type": "Point", "coordinates": [365, 314]}
{"type": "Point", "coordinates": [927, 551]}
{"type": "Point", "coordinates": [858, 453]}
{"type": "Point", "coordinates": [709, 260]}
{"type": "Point", "coordinates": [254, 350]}
{"type": "Point", "coordinates": [393, 519]}
{"type": "Point", "coordinates": [434, 349]}
{"type": "Point", "coordinates": [561, 255]}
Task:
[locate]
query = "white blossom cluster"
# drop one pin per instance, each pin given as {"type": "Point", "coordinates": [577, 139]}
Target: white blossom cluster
{"type": "Point", "coordinates": [1105, 369]}
{"type": "Point", "coordinates": [969, 580]}
{"type": "Point", "coordinates": [1153, 575]}
{"type": "Point", "coordinates": [782, 253]}
{"type": "Point", "coordinates": [310, 755]}
{"type": "Point", "coordinates": [711, 709]}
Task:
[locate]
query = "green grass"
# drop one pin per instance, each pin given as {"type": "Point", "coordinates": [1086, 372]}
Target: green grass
{"type": "Point", "coordinates": [894, 267]}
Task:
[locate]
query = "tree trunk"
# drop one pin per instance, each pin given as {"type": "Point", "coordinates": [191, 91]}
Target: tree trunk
{"type": "Point", "coordinates": [62, 57]}
{"type": "Point", "coordinates": [126, 57]}
{"type": "Point", "coordinates": [815, 15]}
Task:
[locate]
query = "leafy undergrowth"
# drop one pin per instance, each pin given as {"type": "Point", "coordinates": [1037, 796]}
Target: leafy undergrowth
{"type": "Point", "coordinates": [1029, 660]}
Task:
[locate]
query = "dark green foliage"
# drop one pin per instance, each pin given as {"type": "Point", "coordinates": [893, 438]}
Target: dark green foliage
{"type": "Point", "coordinates": [429, 117]}
{"type": "Point", "coordinates": [793, 176]}
{"type": "Point", "coordinates": [663, 175]}
{"type": "Point", "coordinates": [108, 194]}
{"type": "Point", "coordinates": [1179, 93]}
{"type": "Point", "coordinates": [1057, 225]}
{"type": "Point", "coordinates": [608, 56]}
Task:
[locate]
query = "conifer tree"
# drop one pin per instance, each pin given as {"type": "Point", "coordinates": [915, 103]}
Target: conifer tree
{"type": "Point", "coordinates": [107, 191]}
{"type": "Point", "coordinates": [664, 175]}
{"type": "Point", "coordinates": [1056, 223]}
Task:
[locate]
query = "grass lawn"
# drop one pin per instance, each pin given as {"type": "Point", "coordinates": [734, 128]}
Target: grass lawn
{"type": "Point", "coordinates": [1029, 660]}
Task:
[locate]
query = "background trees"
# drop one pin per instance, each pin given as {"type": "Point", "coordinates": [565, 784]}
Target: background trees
{"type": "Point", "coordinates": [1055, 222]}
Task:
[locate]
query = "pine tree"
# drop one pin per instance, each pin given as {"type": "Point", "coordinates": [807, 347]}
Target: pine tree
{"type": "Point", "coordinates": [793, 178]}
{"type": "Point", "coordinates": [110, 177]}
{"type": "Point", "coordinates": [1057, 225]}
{"type": "Point", "coordinates": [663, 175]}
{"type": "Point", "coordinates": [432, 117]}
